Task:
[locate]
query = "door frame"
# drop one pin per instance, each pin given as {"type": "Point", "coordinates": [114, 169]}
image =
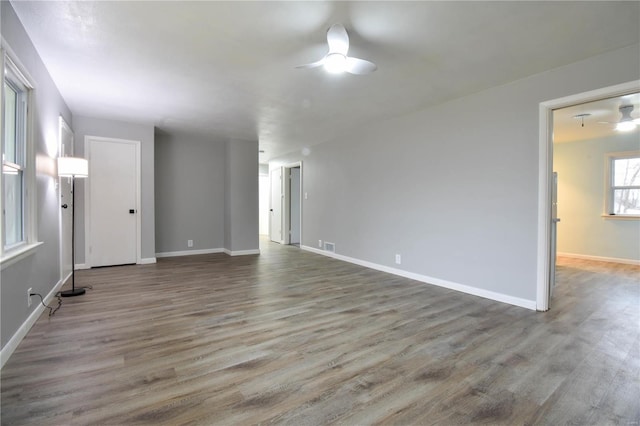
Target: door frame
{"type": "Point", "coordinates": [286, 215]}
{"type": "Point", "coordinates": [545, 176]}
{"type": "Point", "coordinates": [87, 197]}
{"type": "Point", "coordinates": [63, 126]}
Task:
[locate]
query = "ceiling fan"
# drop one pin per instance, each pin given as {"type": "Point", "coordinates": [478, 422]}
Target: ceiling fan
{"type": "Point", "coordinates": [626, 122]}
{"type": "Point", "coordinates": [337, 61]}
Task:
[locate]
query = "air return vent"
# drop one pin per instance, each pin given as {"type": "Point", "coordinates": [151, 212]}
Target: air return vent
{"type": "Point", "coordinates": [330, 247]}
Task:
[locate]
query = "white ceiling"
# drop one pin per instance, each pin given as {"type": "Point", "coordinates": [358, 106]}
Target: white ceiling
{"type": "Point", "coordinates": [227, 69]}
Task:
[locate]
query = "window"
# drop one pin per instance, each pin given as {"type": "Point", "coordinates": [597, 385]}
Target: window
{"type": "Point", "coordinates": [623, 184]}
{"type": "Point", "coordinates": [16, 173]}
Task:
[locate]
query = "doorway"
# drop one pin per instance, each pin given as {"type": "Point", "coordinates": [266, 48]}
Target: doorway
{"type": "Point", "coordinates": [113, 226]}
{"type": "Point", "coordinates": [546, 220]}
{"type": "Point", "coordinates": [286, 204]}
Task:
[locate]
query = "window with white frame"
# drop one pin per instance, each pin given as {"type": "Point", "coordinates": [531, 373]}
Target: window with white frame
{"type": "Point", "coordinates": [623, 184]}
{"type": "Point", "coordinates": [15, 172]}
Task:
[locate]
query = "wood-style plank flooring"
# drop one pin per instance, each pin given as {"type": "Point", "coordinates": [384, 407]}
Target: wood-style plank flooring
{"type": "Point", "coordinates": [291, 337]}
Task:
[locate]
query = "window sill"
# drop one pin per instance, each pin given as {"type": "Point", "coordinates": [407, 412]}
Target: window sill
{"type": "Point", "coordinates": [621, 217]}
{"type": "Point", "coordinates": [18, 254]}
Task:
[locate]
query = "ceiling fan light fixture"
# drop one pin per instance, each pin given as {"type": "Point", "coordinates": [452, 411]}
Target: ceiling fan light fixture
{"type": "Point", "coordinates": [625, 126]}
{"type": "Point", "coordinates": [626, 123]}
{"type": "Point", "coordinates": [335, 63]}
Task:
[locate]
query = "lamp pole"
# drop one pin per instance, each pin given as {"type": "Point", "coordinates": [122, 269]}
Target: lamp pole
{"type": "Point", "coordinates": [73, 291]}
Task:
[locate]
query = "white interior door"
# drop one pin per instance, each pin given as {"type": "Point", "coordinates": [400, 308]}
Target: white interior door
{"type": "Point", "coordinates": [275, 228]}
{"type": "Point", "coordinates": [113, 182]}
{"type": "Point", "coordinates": [65, 149]}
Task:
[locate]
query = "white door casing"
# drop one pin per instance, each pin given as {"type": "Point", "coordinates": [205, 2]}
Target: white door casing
{"type": "Point", "coordinates": [554, 235]}
{"type": "Point", "coordinates": [112, 225]}
{"type": "Point", "coordinates": [65, 149]}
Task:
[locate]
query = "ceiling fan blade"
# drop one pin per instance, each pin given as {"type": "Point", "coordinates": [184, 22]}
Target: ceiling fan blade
{"type": "Point", "coordinates": [338, 39]}
{"type": "Point", "coordinates": [312, 65]}
{"type": "Point", "coordinates": [360, 66]}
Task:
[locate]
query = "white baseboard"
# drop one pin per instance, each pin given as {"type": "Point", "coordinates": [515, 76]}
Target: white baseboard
{"type": "Point", "coordinates": [600, 258]}
{"type": "Point", "coordinates": [80, 266]}
{"type": "Point", "coordinates": [189, 252]}
{"type": "Point", "coordinates": [499, 297]}
{"type": "Point", "coordinates": [15, 340]}
{"type": "Point", "coordinates": [241, 252]}
{"type": "Point", "coordinates": [147, 260]}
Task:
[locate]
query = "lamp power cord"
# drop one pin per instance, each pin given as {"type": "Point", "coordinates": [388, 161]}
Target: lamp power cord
{"type": "Point", "coordinates": [52, 310]}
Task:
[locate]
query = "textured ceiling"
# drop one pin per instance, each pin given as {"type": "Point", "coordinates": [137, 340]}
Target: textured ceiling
{"type": "Point", "coordinates": [227, 69]}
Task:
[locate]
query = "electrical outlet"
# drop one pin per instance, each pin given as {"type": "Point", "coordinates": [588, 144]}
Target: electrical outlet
{"type": "Point", "coordinates": [29, 297]}
{"type": "Point", "coordinates": [189, 243]}
{"type": "Point", "coordinates": [320, 243]}
{"type": "Point", "coordinates": [398, 259]}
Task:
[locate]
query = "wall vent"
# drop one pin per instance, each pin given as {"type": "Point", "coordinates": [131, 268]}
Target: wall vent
{"type": "Point", "coordinates": [330, 247]}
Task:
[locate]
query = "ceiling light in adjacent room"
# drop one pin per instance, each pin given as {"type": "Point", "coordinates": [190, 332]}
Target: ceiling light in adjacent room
{"type": "Point", "coordinates": [625, 126]}
{"type": "Point", "coordinates": [626, 123]}
{"type": "Point", "coordinates": [581, 117]}
{"type": "Point", "coordinates": [335, 63]}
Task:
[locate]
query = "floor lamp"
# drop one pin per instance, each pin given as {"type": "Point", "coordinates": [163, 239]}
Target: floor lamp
{"type": "Point", "coordinates": [73, 167]}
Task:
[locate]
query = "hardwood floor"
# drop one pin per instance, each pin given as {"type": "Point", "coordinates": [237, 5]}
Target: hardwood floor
{"type": "Point", "coordinates": [291, 337]}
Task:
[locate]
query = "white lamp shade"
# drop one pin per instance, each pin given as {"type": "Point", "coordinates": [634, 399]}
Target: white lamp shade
{"type": "Point", "coordinates": [73, 166]}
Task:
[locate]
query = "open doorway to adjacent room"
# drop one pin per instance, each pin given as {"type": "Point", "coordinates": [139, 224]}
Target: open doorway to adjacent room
{"type": "Point", "coordinates": [285, 208]}
{"type": "Point", "coordinates": [593, 181]}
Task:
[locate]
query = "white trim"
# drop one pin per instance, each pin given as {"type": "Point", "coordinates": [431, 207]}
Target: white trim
{"type": "Point", "coordinates": [545, 165]}
{"type": "Point", "coordinates": [9, 62]}
{"type": "Point", "coordinates": [87, 196]}
{"type": "Point", "coordinates": [620, 216]}
{"type": "Point", "coordinates": [498, 297]}
{"type": "Point", "coordinates": [189, 252]}
{"type": "Point", "coordinates": [147, 260]}
{"type": "Point", "coordinates": [18, 254]}
{"type": "Point", "coordinates": [64, 279]}
{"type": "Point", "coordinates": [240, 252]}
{"type": "Point", "coordinates": [601, 258]}
{"type": "Point", "coordinates": [17, 337]}
{"type": "Point", "coordinates": [80, 266]}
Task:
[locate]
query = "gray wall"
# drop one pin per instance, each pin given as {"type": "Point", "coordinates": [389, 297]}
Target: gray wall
{"type": "Point", "coordinates": [453, 188]}
{"type": "Point", "coordinates": [40, 271]}
{"type": "Point", "coordinates": [190, 176]}
{"type": "Point", "coordinates": [581, 189]}
{"type": "Point", "coordinates": [87, 126]}
{"type": "Point", "coordinates": [241, 196]}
